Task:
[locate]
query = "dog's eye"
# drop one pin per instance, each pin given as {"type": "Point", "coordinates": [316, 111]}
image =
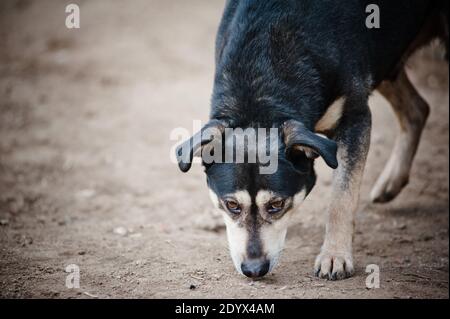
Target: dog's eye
{"type": "Point", "coordinates": [233, 206]}
{"type": "Point", "coordinates": [275, 206]}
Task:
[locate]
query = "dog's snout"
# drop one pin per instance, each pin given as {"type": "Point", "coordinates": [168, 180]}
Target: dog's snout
{"type": "Point", "coordinates": [255, 268]}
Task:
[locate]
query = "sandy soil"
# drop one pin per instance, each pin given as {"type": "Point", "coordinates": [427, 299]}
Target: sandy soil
{"type": "Point", "coordinates": [85, 175]}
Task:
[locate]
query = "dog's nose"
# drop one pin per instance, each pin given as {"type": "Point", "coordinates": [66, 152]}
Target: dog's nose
{"type": "Point", "coordinates": [255, 268]}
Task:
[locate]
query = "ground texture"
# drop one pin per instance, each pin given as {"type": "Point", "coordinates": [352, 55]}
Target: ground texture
{"type": "Point", "coordinates": [86, 179]}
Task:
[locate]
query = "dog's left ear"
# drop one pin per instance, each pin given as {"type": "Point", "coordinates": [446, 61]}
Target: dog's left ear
{"type": "Point", "coordinates": [185, 152]}
{"type": "Point", "coordinates": [298, 137]}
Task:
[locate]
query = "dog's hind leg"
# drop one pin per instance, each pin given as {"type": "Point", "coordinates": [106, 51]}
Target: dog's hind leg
{"type": "Point", "coordinates": [412, 112]}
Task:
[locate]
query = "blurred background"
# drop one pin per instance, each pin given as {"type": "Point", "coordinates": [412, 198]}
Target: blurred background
{"type": "Point", "coordinates": [86, 179]}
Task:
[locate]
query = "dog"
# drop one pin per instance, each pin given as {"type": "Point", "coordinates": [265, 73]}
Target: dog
{"type": "Point", "coordinates": [307, 69]}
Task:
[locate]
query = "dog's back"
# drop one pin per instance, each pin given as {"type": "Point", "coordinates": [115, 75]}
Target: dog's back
{"type": "Point", "coordinates": [274, 52]}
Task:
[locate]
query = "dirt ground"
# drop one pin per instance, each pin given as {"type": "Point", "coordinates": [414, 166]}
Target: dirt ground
{"type": "Point", "coordinates": [86, 179]}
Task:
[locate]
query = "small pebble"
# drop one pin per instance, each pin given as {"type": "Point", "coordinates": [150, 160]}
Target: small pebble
{"type": "Point", "coordinates": [121, 231]}
{"type": "Point", "coordinates": [86, 193]}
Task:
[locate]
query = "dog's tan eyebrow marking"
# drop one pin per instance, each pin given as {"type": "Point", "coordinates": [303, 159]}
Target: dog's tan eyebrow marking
{"type": "Point", "coordinates": [263, 197]}
{"type": "Point", "coordinates": [331, 117]}
{"type": "Point", "coordinates": [243, 198]}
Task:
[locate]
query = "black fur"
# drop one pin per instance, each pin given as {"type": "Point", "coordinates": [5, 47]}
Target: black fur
{"type": "Point", "coordinates": [280, 61]}
{"type": "Point", "coordinates": [281, 64]}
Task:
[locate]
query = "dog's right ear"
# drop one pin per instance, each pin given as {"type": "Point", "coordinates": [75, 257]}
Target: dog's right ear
{"type": "Point", "coordinates": [185, 151]}
{"type": "Point", "coordinates": [298, 138]}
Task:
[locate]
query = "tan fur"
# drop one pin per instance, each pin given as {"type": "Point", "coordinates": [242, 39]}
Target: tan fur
{"type": "Point", "coordinates": [273, 235]}
{"type": "Point", "coordinates": [263, 197]}
{"type": "Point", "coordinates": [338, 236]}
{"type": "Point", "coordinates": [412, 112]}
{"type": "Point", "coordinates": [237, 235]}
{"type": "Point", "coordinates": [243, 197]}
{"type": "Point", "coordinates": [309, 152]}
{"type": "Point", "coordinates": [335, 259]}
{"type": "Point", "coordinates": [331, 117]}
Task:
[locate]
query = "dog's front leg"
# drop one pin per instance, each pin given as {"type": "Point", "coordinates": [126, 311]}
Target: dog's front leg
{"type": "Point", "coordinates": [352, 135]}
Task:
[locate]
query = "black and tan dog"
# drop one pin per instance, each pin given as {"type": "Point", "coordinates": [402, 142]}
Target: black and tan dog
{"type": "Point", "coordinates": [308, 67]}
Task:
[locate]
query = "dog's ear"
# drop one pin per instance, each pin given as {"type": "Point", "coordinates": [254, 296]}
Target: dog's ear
{"type": "Point", "coordinates": [298, 138]}
{"type": "Point", "coordinates": [186, 151]}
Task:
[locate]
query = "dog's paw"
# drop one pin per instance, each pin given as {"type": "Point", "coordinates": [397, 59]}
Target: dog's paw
{"type": "Point", "coordinates": [333, 266]}
{"type": "Point", "coordinates": [388, 186]}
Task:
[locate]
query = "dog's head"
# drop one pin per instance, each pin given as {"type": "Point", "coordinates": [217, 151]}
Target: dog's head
{"type": "Point", "coordinates": [257, 206]}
